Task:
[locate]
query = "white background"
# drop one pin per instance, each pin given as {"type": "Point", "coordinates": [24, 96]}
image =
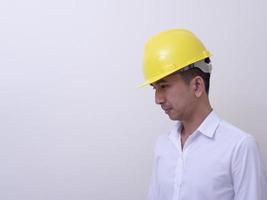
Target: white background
{"type": "Point", "coordinates": [74, 125]}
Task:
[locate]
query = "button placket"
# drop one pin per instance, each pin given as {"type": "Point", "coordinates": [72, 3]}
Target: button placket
{"type": "Point", "coordinates": [179, 176]}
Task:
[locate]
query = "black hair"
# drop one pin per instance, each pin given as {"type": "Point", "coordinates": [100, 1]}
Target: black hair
{"type": "Point", "coordinates": [189, 74]}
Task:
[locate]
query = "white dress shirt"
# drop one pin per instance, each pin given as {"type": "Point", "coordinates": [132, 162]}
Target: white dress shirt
{"type": "Point", "coordinates": [218, 162]}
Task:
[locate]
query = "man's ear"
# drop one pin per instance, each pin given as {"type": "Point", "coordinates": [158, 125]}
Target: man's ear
{"type": "Point", "coordinates": [198, 86]}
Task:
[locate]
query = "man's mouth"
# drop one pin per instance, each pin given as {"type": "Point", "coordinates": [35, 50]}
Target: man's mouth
{"type": "Point", "coordinates": [166, 109]}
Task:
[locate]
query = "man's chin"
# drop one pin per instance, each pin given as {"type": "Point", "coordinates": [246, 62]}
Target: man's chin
{"type": "Point", "coordinates": [174, 118]}
{"type": "Point", "coordinates": [172, 115]}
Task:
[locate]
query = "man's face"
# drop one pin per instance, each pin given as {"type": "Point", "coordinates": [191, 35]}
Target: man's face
{"type": "Point", "coordinates": [174, 96]}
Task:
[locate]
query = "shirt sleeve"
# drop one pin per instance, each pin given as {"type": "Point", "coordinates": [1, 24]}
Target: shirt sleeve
{"type": "Point", "coordinates": [152, 186]}
{"type": "Point", "coordinates": [248, 171]}
{"type": "Point", "coordinates": [153, 190]}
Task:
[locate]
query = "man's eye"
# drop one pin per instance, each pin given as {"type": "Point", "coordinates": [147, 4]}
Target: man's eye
{"type": "Point", "coordinates": [163, 86]}
{"type": "Point", "coordinates": [160, 86]}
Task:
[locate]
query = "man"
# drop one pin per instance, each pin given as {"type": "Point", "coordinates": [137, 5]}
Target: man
{"type": "Point", "coordinates": [202, 157]}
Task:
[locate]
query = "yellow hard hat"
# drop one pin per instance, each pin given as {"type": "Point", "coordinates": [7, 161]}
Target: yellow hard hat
{"type": "Point", "coordinates": [170, 51]}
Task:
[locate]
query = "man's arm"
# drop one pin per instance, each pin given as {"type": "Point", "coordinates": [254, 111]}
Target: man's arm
{"type": "Point", "coordinates": [248, 171]}
{"type": "Point", "coordinates": [153, 187]}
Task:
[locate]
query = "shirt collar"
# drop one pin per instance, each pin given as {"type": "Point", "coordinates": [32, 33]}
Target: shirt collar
{"type": "Point", "coordinates": [207, 127]}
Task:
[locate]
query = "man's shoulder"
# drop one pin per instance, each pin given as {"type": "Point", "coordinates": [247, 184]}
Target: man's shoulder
{"type": "Point", "coordinates": [163, 137]}
{"type": "Point", "coordinates": [229, 132]}
{"type": "Point", "coordinates": [230, 129]}
{"type": "Point", "coordinates": [163, 140]}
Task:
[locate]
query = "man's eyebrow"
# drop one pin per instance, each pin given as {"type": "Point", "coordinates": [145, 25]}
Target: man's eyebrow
{"type": "Point", "coordinates": [160, 81]}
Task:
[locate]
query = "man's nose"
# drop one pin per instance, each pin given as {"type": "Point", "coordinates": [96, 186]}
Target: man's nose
{"type": "Point", "coordinates": [159, 97]}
